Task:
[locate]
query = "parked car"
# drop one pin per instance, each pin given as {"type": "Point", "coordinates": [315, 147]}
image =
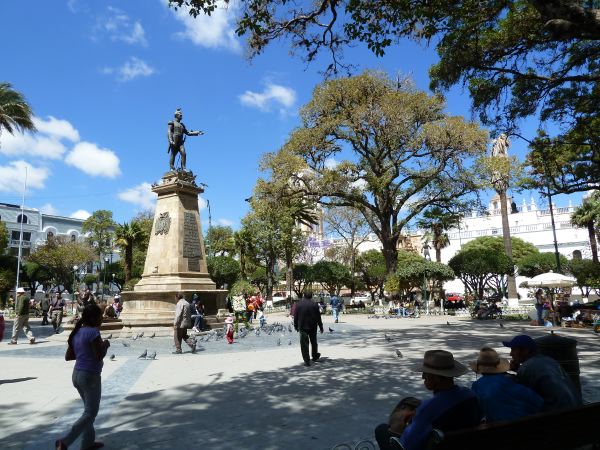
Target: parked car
{"type": "Point", "coordinates": [454, 301]}
{"type": "Point", "coordinates": [279, 297]}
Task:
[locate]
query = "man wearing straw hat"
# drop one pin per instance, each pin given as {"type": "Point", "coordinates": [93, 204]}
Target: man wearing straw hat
{"type": "Point", "coordinates": [500, 396]}
{"type": "Point", "coordinates": [452, 407]}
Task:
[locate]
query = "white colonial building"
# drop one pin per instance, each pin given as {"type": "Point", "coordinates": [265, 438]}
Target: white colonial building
{"type": "Point", "coordinates": [37, 227]}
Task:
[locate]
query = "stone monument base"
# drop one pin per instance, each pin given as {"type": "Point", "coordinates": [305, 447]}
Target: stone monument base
{"type": "Point", "coordinates": [157, 308]}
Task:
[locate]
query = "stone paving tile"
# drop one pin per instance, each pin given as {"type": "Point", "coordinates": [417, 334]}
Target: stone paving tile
{"type": "Point", "coordinates": [250, 395]}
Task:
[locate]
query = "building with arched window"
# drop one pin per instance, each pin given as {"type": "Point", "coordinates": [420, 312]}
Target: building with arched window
{"type": "Point", "coordinates": [37, 227]}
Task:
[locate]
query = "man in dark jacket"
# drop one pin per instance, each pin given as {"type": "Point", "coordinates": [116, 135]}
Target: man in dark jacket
{"type": "Point", "coordinates": [306, 319]}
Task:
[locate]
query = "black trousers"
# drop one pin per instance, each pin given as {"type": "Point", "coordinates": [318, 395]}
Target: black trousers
{"type": "Point", "coordinates": [305, 337]}
{"type": "Point", "coordinates": [383, 435]}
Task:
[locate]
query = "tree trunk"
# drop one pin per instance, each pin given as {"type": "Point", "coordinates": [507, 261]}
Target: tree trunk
{"type": "Point", "coordinates": [511, 282]}
{"type": "Point", "coordinates": [289, 274]}
{"type": "Point", "coordinates": [593, 243]}
{"type": "Point", "coordinates": [352, 270]}
{"type": "Point", "coordinates": [128, 262]}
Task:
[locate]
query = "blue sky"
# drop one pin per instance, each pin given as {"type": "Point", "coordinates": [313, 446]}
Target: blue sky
{"type": "Point", "coordinates": [104, 78]}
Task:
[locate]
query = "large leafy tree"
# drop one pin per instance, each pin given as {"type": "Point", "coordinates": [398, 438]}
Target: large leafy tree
{"type": "Point", "coordinates": [332, 275]}
{"type": "Point", "coordinates": [127, 235]}
{"type": "Point", "coordinates": [224, 270]}
{"type": "Point", "coordinates": [15, 112]}
{"type": "Point", "coordinates": [59, 256]}
{"type": "Point", "coordinates": [404, 153]}
{"type": "Point", "coordinates": [350, 225]}
{"type": "Point", "coordinates": [302, 278]}
{"type": "Point", "coordinates": [373, 272]}
{"type": "Point", "coordinates": [422, 272]}
{"type": "Point", "coordinates": [587, 274]}
{"type": "Point", "coordinates": [220, 241]}
{"type": "Point", "coordinates": [521, 248]}
{"type": "Point", "coordinates": [537, 263]}
{"type": "Point", "coordinates": [518, 58]}
{"type": "Point", "coordinates": [36, 275]}
{"type": "Point", "coordinates": [587, 215]}
{"type": "Point", "coordinates": [100, 226]}
{"type": "Point", "coordinates": [481, 268]}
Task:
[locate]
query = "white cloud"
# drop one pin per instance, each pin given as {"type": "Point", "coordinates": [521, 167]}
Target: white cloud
{"type": "Point", "coordinates": [93, 160]}
{"type": "Point", "coordinates": [272, 94]}
{"type": "Point", "coordinates": [131, 69]}
{"type": "Point", "coordinates": [214, 31]}
{"type": "Point", "coordinates": [49, 209]}
{"type": "Point", "coordinates": [140, 195]}
{"type": "Point", "coordinates": [119, 27]}
{"type": "Point", "coordinates": [57, 128]}
{"type": "Point", "coordinates": [47, 143]}
{"type": "Point", "coordinates": [225, 222]}
{"type": "Point", "coordinates": [81, 214]}
{"type": "Point", "coordinates": [12, 176]}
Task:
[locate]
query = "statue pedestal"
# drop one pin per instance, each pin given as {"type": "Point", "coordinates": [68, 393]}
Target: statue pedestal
{"type": "Point", "coordinates": [175, 261]}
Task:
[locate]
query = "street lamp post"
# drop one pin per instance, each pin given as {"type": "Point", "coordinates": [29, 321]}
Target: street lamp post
{"type": "Point", "coordinates": [427, 257]}
{"type": "Point", "coordinates": [75, 269]}
{"type": "Point", "coordinates": [104, 276]}
{"type": "Point", "coordinates": [113, 283]}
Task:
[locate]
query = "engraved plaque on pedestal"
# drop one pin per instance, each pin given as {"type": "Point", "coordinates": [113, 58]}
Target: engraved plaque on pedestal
{"type": "Point", "coordinates": [191, 242]}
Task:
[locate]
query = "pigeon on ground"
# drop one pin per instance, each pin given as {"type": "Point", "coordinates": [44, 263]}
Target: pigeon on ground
{"type": "Point", "coordinates": [398, 353]}
{"type": "Point", "coordinates": [151, 355]}
{"type": "Point", "coordinates": [278, 341]}
{"type": "Point", "coordinates": [141, 334]}
{"type": "Point", "coordinates": [257, 332]}
{"type": "Point", "coordinates": [331, 330]}
{"type": "Point", "coordinates": [290, 328]}
{"type": "Point", "coordinates": [289, 342]}
{"type": "Point", "coordinates": [125, 344]}
{"type": "Point", "coordinates": [447, 323]}
{"type": "Point", "coordinates": [152, 335]}
{"type": "Point", "coordinates": [501, 325]}
{"type": "Point", "coordinates": [387, 338]}
{"type": "Point", "coordinates": [143, 355]}
{"type": "Point", "coordinates": [109, 336]}
{"type": "Point", "coordinates": [112, 357]}
{"type": "Point", "coordinates": [134, 337]}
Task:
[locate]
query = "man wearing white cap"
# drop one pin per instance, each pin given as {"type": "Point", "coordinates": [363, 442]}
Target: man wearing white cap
{"type": "Point", "coordinates": [451, 408]}
{"type": "Point", "coordinates": [22, 318]}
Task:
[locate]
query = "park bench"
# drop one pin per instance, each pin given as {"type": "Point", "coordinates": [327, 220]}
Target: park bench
{"type": "Point", "coordinates": [555, 430]}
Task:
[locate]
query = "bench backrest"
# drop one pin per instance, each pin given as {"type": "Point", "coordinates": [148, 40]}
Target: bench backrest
{"type": "Point", "coordinates": [556, 430]}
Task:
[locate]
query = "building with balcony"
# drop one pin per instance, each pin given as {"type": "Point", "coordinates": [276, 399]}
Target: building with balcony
{"type": "Point", "coordinates": [37, 227]}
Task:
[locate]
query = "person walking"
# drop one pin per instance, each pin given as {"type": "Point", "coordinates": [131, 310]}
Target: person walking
{"type": "Point", "coordinates": [57, 309]}
{"type": "Point", "coordinates": [88, 350]}
{"type": "Point", "coordinates": [45, 305]}
{"type": "Point", "coordinates": [229, 332]}
{"type": "Point", "coordinates": [306, 320]}
{"type": "Point", "coordinates": [22, 318]}
{"type": "Point", "coordinates": [335, 307]}
{"type": "Point", "coordinates": [183, 321]}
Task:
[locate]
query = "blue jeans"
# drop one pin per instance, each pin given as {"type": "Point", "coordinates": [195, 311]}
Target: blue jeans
{"type": "Point", "coordinates": [540, 312]}
{"type": "Point", "coordinates": [198, 321]}
{"type": "Point", "coordinates": [336, 313]}
{"type": "Point", "coordinates": [89, 386]}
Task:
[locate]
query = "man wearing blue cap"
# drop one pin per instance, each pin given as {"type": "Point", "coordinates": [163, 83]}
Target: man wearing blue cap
{"type": "Point", "coordinates": [542, 374]}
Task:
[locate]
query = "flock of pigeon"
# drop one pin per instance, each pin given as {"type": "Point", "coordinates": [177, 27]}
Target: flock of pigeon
{"type": "Point", "coordinates": [219, 334]}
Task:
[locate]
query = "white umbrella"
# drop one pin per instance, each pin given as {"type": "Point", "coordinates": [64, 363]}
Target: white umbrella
{"type": "Point", "coordinates": [551, 280]}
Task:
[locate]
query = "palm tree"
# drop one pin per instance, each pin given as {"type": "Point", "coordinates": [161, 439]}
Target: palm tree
{"type": "Point", "coordinates": [15, 113]}
{"type": "Point", "coordinates": [127, 236]}
{"type": "Point", "coordinates": [586, 216]}
{"type": "Point", "coordinates": [436, 222]}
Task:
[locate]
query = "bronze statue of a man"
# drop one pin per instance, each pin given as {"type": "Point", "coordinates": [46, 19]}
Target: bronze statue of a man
{"type": "Point", "coordinates": [176, 133]}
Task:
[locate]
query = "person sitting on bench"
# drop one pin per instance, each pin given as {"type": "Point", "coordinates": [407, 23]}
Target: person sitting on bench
{"type": "Point", "coordinates": [500, 396]}
{"type": "Point", "coordinates": [542, 374]}
{"type": "Point", "coordinates": [452, 407]}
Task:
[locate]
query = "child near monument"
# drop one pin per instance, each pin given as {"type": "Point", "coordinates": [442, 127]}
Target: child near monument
{"type": "Point", "coordinates": [229, 333]}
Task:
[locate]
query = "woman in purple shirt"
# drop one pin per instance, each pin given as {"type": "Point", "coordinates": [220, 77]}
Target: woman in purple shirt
{"type": "Point", "coordinates": [88, 349]}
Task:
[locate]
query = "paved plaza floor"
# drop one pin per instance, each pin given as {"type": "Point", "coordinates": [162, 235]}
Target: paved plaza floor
{"type": "Point", "coordinates": [254, 394]}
